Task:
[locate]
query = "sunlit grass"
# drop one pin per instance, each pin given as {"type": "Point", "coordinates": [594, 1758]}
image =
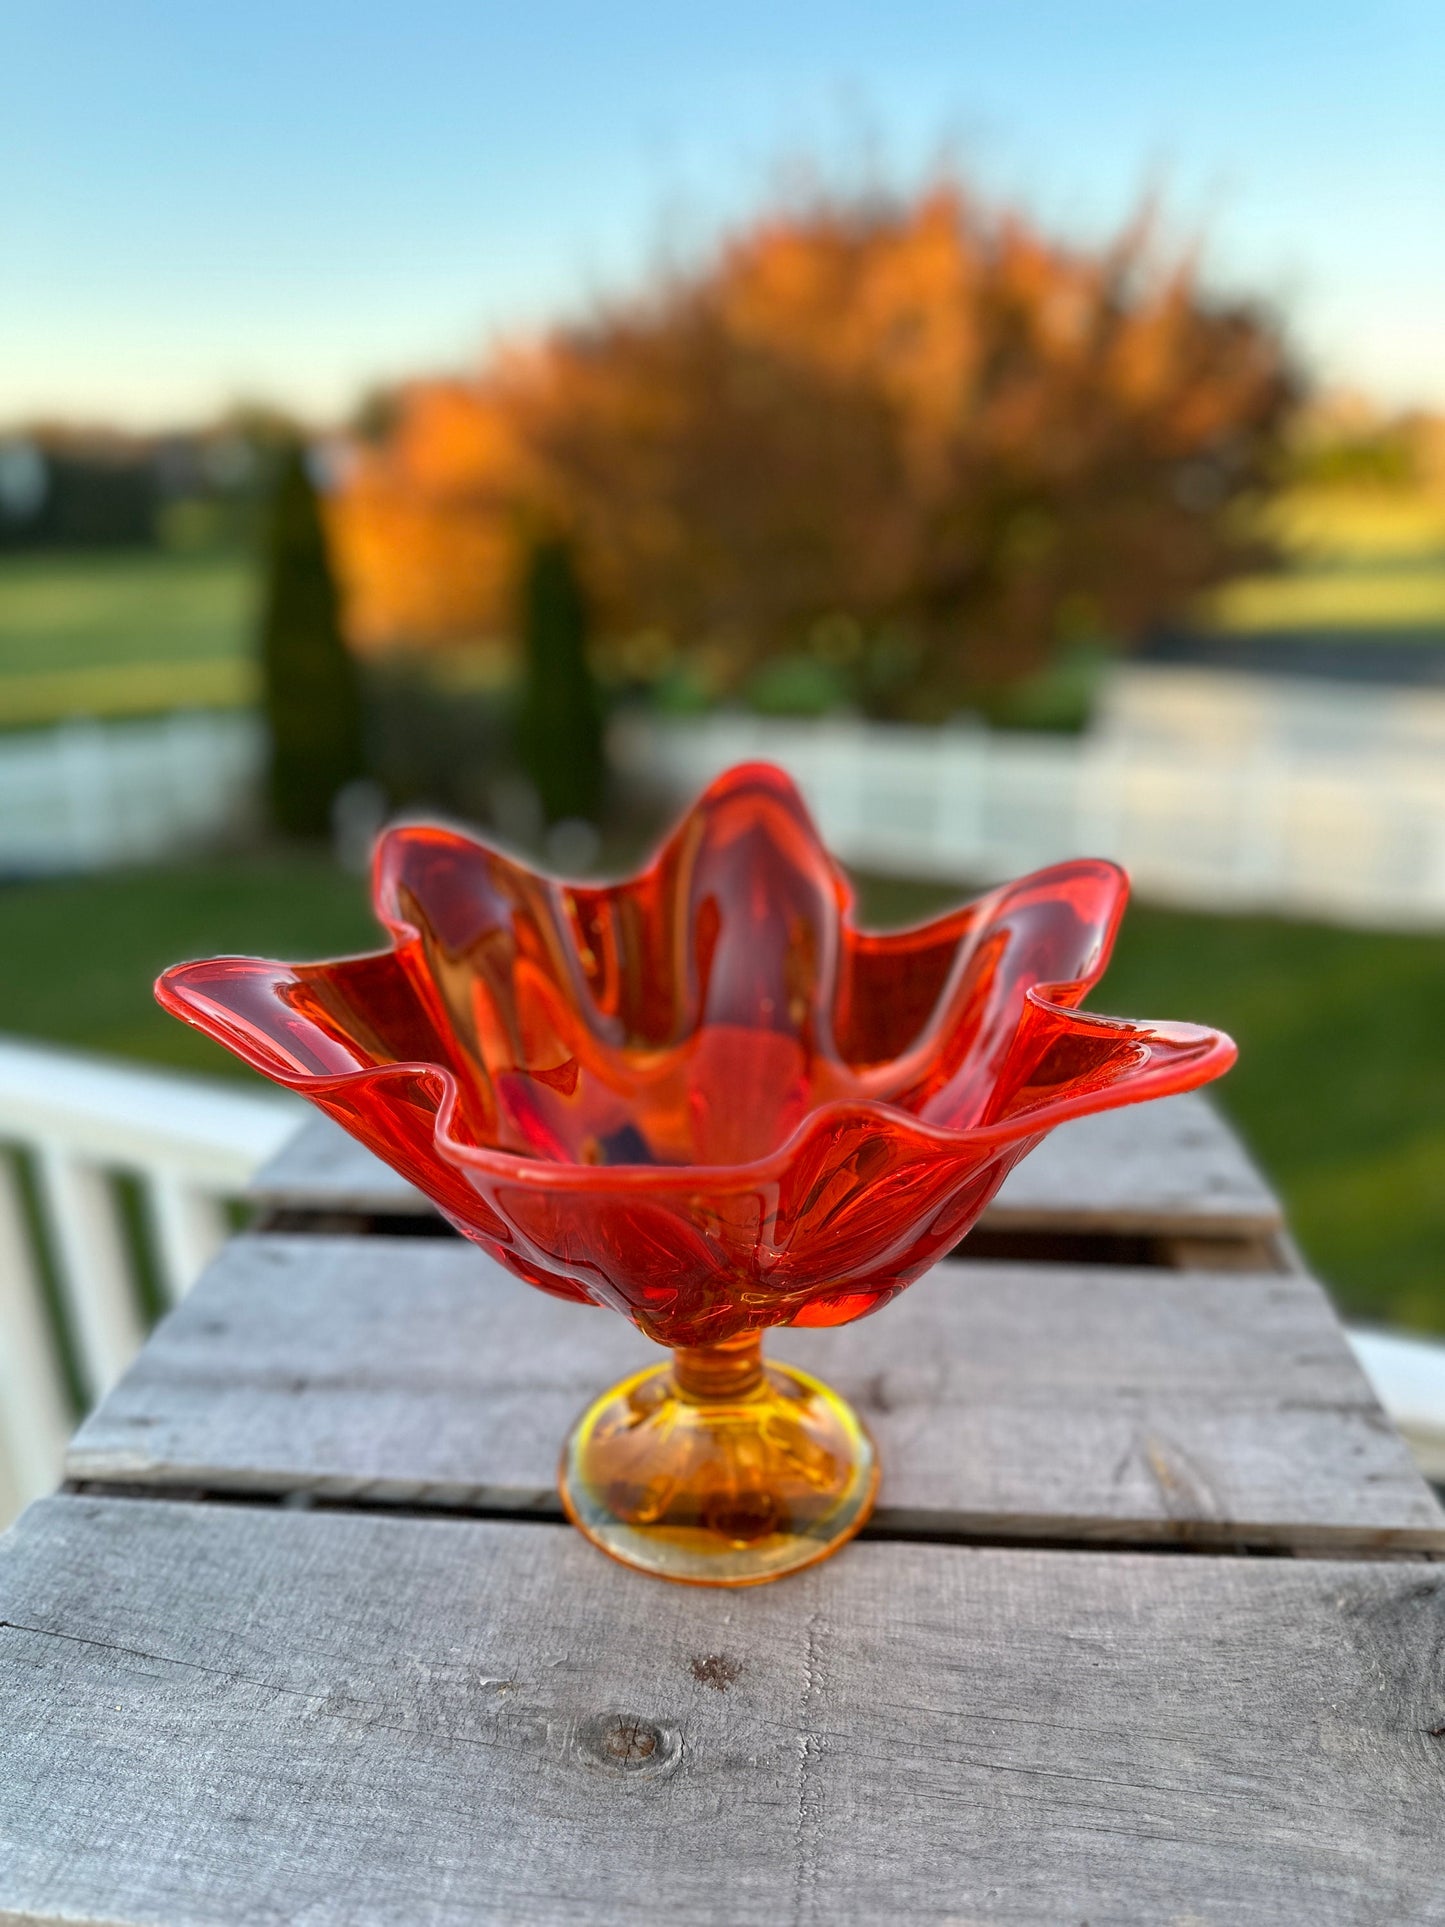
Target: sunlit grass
{"type": "Point", "coordinates": [124, 633]}
{"type": "Point", "coordinates": [1331, 599]}
{"type": "Point", "coordinates": [1359, 524]}
{"type": "Point", "coordinates": [1354, 559]}
{"type": "Point", "coordinates": [130, 689]}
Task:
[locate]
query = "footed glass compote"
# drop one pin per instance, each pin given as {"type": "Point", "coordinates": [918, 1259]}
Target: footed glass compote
{"type": "Point", "coordinates": [703, 1097]}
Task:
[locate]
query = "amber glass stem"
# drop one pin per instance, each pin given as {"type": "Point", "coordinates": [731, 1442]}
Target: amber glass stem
{"type": "Point", "coordinates": [719, 1471]}
{"type": "Point", "coordinates": [731, 1370]}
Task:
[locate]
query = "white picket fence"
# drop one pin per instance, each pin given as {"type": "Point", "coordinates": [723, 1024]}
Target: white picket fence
{"type": "Point", "coordinates": [1192, 709]}
{"type": "Point", "coordinates": [88, 795]}
{"type": "Point", "coordinates": [1211, 821]}
{"type": "Point", "coordinates": [1215, 790]}
{"type": "Point", "coordinates": [71, 1127]}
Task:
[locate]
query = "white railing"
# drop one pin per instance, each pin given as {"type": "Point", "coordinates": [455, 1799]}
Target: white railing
{"type": "Point", "coordinates": [1408, 1377]}
{"type": "Point", "coordinates": [87, 795]}
{"type": "Point", "coordinates": [73, 1129]}
{"type": "Point", "coordinates": [1357, 839]}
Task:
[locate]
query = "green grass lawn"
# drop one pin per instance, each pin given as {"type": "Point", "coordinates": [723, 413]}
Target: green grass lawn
{"type": "Point", "coordinates": [1338, 1089]}
{"type": "Point", "coordinates": [110, 633]}
{"type": "Point", "coordinates": [78, 956]}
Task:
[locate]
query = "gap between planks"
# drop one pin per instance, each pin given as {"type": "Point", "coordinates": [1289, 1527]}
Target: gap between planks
{"type": "Point", "coordinates": [893, 1524]}
{"type": "Point", "coordinates": [1262, 1251]}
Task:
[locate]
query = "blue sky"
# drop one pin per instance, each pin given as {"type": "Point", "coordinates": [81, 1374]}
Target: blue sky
{"type": "Point", "coordinates": [209, 200]}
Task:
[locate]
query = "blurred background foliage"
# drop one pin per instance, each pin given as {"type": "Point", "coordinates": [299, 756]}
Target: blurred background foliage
{"type": "Point", "coordinates": [895, 453]}
{"type": "Point", "coordinates": [900, 457]}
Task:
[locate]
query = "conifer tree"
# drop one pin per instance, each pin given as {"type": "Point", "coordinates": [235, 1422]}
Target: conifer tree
{"type": "Point", "coordinates": [560, 723]}
{"type": "Point", "coordinates": [312, 691]}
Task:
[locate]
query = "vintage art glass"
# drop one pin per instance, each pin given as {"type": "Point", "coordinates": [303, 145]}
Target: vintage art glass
{"type": "Point", "coordinates": [704, 1097]}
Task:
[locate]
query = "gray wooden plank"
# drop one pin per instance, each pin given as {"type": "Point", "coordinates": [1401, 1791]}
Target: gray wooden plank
{"type": "Point", "coordinates": [1173, 1166]}
{"type": "Point", "coordinates": [1086, 1402]}
{"type": "Point", "coordinates": [233, 1715]}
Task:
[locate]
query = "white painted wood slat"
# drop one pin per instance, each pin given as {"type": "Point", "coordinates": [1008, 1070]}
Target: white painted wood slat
{"type": "Point", "coordinates": [34, 1416]}
{"type": "Point", "coordinates": [1408, 1377]}
{"type": "Point", "coordinates": [189, 1227]}
{"type": "Point", "coordinates": [129, 1117]}
{"type": "Point", "coordinates": [83, 1220]}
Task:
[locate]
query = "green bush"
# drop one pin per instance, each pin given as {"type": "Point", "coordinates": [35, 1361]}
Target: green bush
{"type": "Point", "coordinates": [312, 691]}
{"type": "Point", "coordinates": [795, 685]}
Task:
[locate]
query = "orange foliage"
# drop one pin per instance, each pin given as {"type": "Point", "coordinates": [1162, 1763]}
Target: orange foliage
{"type": "Point", "coordinates": [423, 527]}
{"type": "Point", "coordinates": [928, 420]}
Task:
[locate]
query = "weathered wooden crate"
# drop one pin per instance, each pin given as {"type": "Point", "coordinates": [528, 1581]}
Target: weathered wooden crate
{"type": "Point", "coordinates": [1149, 1623]}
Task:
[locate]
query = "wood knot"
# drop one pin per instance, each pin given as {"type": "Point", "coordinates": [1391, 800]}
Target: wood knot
{"type": "Point", "coordinates": [716, 1670]}
{"type": "Point", "coordinates": [627, 1743]}
{"type": "Point", "coordinates": [629, 1738]}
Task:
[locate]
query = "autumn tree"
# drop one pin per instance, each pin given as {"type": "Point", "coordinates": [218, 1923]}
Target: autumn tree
{"type": "Point", "coordinates": [426, 525]}
{"type": "Point", "coordinates": [921, 438]}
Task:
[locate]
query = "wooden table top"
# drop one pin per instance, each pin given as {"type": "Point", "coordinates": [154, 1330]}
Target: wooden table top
{"type": "Point", "coordinates": [1148, 1626]}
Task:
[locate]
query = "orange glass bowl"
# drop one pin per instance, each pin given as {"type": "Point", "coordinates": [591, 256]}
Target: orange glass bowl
{"type": "Point", "coordinates": [704, 1097]}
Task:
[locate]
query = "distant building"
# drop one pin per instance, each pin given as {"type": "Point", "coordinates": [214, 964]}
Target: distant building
{"type": "Point", "coordinates": [77, 491]}
{"type": "Point", "coordinates": [24, 481]}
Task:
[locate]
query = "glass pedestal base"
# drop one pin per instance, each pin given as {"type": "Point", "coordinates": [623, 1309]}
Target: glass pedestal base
{"type": "Point", "coordinates": [718, 1470]}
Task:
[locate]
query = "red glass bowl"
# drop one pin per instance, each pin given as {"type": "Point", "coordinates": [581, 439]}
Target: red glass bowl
{"type": "Point", "coordinates": [704, 1097]}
